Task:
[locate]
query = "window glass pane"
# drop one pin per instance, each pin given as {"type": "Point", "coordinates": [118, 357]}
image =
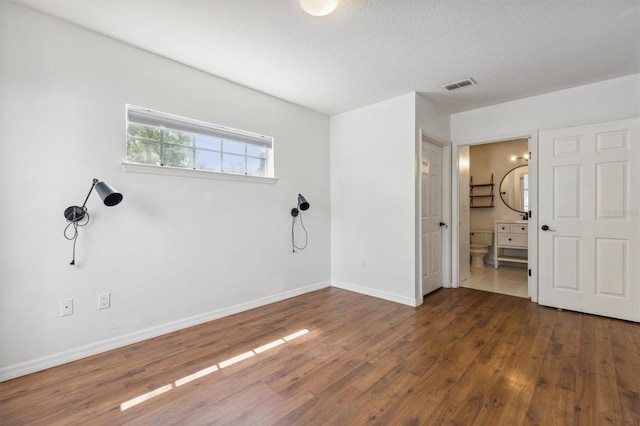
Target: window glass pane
{"type": "Point", "coordinates": [178, 138]}
{"type": "Point", "coordinates": [256, 167]}
{"type": "Point", "coordinates": [176, 156]}
{"type": "Point", "coordinates": [146, 132]}
{"type": "Point", "coordinates": [233, 163]}
{"type": "Point", "coordinates": [208, 142]}
{"type": "Point", "coordinates": [143, 152]}
{"type": "Point", "coordinates": [157, 138]}
{"type": "Point", "coordinates": [233, 147]}
{"type": "Point", "coordinates": [256, 151]}
{"type": "Point", "coordinates": [208, 160]}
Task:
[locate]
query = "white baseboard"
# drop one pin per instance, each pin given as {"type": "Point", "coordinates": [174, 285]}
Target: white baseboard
{"type": "Point", "coordinates": [39, 364]}
{"type": "Point", "coordinates": [377, 293]}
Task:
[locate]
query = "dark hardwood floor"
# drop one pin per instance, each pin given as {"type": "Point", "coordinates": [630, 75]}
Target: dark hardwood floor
{"type": "Point", "coordinates": [464, 357]}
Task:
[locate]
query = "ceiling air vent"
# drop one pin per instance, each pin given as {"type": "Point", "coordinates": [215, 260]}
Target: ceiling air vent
{"type": "Point", "coordinates": [459, 84]}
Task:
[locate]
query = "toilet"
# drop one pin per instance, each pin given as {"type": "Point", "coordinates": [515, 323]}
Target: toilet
{"type": "Point", "coordinates": [481, 240]}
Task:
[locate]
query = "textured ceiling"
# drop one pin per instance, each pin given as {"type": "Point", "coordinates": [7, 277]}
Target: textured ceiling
{"type": "Point", "coordinates": [372, 50]}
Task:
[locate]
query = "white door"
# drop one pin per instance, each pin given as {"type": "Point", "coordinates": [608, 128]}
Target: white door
{"type": "Point", "coordinates": [432, 226]}
{"type": "Point", "coordinates": [589, 235]}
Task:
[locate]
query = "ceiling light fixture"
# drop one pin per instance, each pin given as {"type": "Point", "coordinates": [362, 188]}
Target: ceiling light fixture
{"type": "Point", "coordinates": [318, 7]}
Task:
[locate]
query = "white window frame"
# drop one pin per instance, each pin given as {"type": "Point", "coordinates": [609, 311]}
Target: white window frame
{"type": "Point", "coordinates": [166, 121]}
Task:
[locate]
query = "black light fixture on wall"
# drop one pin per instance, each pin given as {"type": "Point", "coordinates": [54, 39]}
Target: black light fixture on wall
{"type": "Point", "coordinates": [303, 205]}
{"type": "Point", "coordinates": [79, 216]}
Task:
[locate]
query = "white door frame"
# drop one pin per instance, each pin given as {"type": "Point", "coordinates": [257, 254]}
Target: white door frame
{"type": "Point", "coordinates": [446, 211]}
{"type": "Point", "coordinates": [532, 135]}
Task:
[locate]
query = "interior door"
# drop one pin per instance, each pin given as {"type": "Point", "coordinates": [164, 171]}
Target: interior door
{"type": "Point", "coordinates": [432, 225]}
{"type": "Point", "coordinates": [589, 235]}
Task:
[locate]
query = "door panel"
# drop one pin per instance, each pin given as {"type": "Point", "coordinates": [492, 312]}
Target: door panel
{"type": "Point", "coordinates": [611, 198]}
{"type": "Point", "coordinates": [566, 273]}
{"type": "Point", "coordinates": [566, 191]}
{"type": "Point", "coordinates": [611, 278]}
{"type": "Point", "coordinates": [432, 238]}
{"type": "Point", "coordinates": [588, 256]}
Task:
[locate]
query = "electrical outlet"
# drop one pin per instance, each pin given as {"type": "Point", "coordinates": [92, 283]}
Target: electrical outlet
{"type": "Point", "coordinates": [104, 301]}
{"type": "Point", "coordinates": [66, 307]}
{"type": "Point", "coordinates": [363, 264]}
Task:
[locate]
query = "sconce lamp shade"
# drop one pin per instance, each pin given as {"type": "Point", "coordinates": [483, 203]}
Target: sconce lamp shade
{"type": "Point", "coordinates": [302, 202]}
{"type": "Point", "coordinates": [303, 205]}
{"type": "Point", "coordinates": [109, 196]}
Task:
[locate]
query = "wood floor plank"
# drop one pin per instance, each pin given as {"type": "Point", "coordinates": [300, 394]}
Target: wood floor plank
{"type": "Point", "coordinates": [463, 357]}
{"type": "Point", "coordinates": [553, 396]}
{"type": "Point", "coordinates": [608, 402]}
{"type": "Point", "coordinates": [626, 350]}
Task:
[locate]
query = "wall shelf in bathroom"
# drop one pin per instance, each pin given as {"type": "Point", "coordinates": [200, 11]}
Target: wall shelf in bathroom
{"type": "Point", "coordinates": [481, 195]}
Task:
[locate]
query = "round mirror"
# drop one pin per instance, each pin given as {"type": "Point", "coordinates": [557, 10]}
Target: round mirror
{"type": "Point", "coordinates": [514, 189]}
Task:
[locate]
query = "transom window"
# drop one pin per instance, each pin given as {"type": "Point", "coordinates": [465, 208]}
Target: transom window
{"type": "Point", "coordinates": [163, 139]}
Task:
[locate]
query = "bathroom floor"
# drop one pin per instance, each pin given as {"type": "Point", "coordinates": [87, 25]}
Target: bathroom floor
{"type": "Point", "coordinates": [504, 280]}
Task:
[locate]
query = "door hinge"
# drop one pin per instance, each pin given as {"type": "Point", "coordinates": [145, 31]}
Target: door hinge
{"type": "Point", "coordinates": [529, 272]}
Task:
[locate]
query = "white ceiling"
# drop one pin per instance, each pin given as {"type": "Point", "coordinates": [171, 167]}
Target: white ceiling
{"type": "Point", "coordinates": [372, 50]}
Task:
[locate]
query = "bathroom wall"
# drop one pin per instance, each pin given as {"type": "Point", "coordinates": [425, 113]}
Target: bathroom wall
{"type": "Point", "coordinates": [493, 158]}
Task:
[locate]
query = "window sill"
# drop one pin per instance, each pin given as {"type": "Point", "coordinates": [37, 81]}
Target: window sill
{"type": "Point", "coordinates": [201, 174]}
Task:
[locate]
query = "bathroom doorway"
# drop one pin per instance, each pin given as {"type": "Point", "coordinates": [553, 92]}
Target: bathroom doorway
{"type": "Point", "coordinates": [495, 188]}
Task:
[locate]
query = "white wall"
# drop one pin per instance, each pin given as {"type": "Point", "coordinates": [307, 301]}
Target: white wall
{"type": "Point", "coordinates": [432, 119]}
{"type": "Point", "coordinates": [373, 199]}
{"type": "Point", "coordinates": [177, 250]}
{"type": "Point", "coordinates": [594, 103]}
{"type": "Point", "coordinates": [373, 195]}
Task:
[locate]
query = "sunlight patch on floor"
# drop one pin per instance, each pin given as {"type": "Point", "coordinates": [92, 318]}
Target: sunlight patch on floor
{"type": "Point", "coordinates": [269, 346]}
{"type": "Point", "coordinates": [145, 397]}
{"type": "Point", "coordinates": [236, 359]}
{"type": "Point", "coordinates": [196, 375]}
{"type": "Point", "coordinates": [212, 369]}
{"type": "Point", "coordinates": [295, 335]}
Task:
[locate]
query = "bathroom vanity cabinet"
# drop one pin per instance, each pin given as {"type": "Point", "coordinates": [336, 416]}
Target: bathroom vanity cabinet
{"type": "Point", "coordinates": [511, 242]}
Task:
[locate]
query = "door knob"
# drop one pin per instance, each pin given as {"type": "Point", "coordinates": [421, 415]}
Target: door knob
{"type": "Point", "coordinates": [546, 228]}
{"type": "Point", "coordinates": [443, 224]}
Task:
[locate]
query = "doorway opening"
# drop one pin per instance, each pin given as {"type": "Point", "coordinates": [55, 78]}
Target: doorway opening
{"type": "Point", "coordinates": [495, 198]}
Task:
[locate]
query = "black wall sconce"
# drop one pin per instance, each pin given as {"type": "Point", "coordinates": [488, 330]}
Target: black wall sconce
{"type": "Point", "coordinates": [303, 205]}
{"type": "Point", "coordinates": [79, 216]}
